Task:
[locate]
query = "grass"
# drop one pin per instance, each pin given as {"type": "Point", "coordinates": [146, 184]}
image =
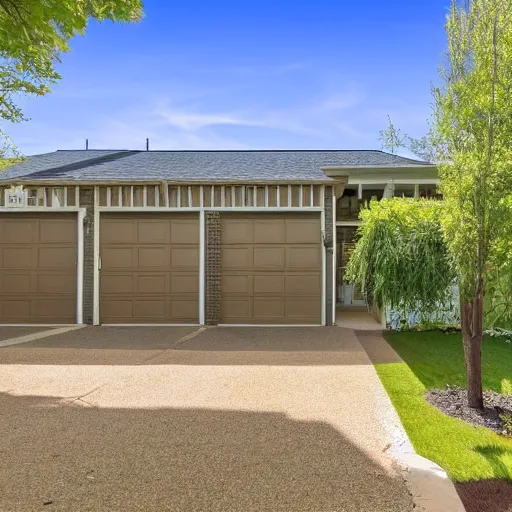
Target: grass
{"type": "Point", "coordinates": [432, 360]}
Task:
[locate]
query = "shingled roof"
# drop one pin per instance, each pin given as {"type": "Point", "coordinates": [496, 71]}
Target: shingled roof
{"type": "Point", "coordinates": [115, 165]}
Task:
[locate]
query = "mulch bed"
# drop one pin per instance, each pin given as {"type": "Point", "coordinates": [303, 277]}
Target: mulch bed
{"type": "Point", "coordinates": [453, 402]}
{"type": "Point", "coordinates": [486, 496]}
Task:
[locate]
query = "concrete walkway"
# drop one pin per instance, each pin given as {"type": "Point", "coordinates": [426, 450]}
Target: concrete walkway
{"type": "Point", "coordinates": [222, 419]}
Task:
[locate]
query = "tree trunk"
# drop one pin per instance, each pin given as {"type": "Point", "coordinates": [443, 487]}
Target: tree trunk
{"type": "Point", "coordinates": [472, 315]}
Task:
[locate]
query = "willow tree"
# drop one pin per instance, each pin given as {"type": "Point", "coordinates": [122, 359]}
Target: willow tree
{"type": "Point", "coordinates": [401, 259]}
{"type": "Point", "coordinates": [473, 123]}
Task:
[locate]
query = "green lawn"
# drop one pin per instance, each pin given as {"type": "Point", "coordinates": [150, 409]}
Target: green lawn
{"type": "Point", "coordinates": [432, 360]}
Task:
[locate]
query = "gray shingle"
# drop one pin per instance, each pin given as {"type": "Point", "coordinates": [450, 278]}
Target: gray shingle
{"type": "Point", "coordinates": [289, 165]}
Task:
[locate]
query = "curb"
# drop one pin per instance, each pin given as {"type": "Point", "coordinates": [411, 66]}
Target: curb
{"type": "Point", "coordinates": [430, 487]}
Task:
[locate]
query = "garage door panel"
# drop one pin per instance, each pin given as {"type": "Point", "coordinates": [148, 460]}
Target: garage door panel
{"type": "Point", "coordinates": [17, 257]}
{"type": "Point", "coordinates": [268, 308]}
{"type": "Point", "coordinates": [185, 232]}
{"type": "Point", "coordinates": [269, 284]}
{"type": "Point", "coordinates": [236, 309]}
{"type": "Point", "coordinates": [275, 277]}
{"type": "Point", "coordinates": [11, 309]}
{"type": "Point", "coordinates": [303, 308]}
{"type": "Point", "coordinates": [303, 258]}
{"type": "Point", "coordinates": [153, 278]}
{"type": "Point", "coordinates": [303, 285]}
{"type": "Point", "coordinates": [184, 310]}
{"type": "Point", "coordinates": [154, 232]}
{"type": "Point", "coordinates": [51, 231]}
{"type": "Point", "coordinates": [185, 257]}
{"type": "Point", "coordinates": [55, 283]}
{"type": "Point", "coordinates": [305, 231]}
{"type": "Point", "coordinates": [117, 258]}
{"type": "Point", "coordinates": [237, 231]}
{"type": "Point", "coordinates": [117, 309]}
{"type": "Point", "coordinates": [116, 283]}
{"type": "Point", "coordinates": [269, 258]}
{"type": "Point", "coordinates": [20, 230]}
{"type": "Point", "coordinates": [236, 284]}
{"type": "Point", "coordinates": [53, 308]}
{"type": "Point", "coordinates": [120, 231]}
{"type": "Point", "coordinates": [185, 284]}
{"type": "Point", "coordinates": [150, 308]}
{"type": "Point", "coordinates": [15, 283]}
{"type": "Point", "coordinates": [236, 258]}
{"type": "Point", "coordinates": [273, 232]}
{"type": "Point", "coordinates": [150, 258]}
{"type": "Point", "coordinates": [56, 257]}
{"type": "Point", "coordinates": [150, 283]}
{"type": "Point", "coordinates": [38, 267]}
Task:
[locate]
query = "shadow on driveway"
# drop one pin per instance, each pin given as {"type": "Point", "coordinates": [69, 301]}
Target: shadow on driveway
{"type": "Point", "coordinates": [290, 346]}
{"type": "Point", "coordinates": [97, 459]}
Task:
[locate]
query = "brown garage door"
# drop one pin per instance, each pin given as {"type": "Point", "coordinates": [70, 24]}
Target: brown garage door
{"type": "Point", "coordinates": [38, 268]}
{"type": "Point", "coordinates": [149, 268]}
{"type": "Point", "coordinates": [271, 269]}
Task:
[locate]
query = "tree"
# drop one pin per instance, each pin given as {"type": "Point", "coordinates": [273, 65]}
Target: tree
{"type": "Point", "coordinates": [473, 117]}
{"type": "Point", "coordinates": [401, 259]}
{"type": "Point", "coordinates": [471, 141]}
{"type": "Point", "coordinates": [392, 138]}
{"type": "Point", "coordinates": [33, 35]}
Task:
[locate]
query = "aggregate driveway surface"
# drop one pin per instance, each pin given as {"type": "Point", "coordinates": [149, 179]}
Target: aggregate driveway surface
{"type": "Point", "coordinates": [181, 419]}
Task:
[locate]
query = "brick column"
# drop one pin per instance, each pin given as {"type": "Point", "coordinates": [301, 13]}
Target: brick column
{"type": "Point", "coordinates": [87, 202]}
{"type": "Point", "coordinates": [212, 268]}
{"type": "Point", "coordinates": [329, 255]}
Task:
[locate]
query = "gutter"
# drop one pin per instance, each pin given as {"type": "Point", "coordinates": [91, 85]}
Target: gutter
{"type": "Point", "coordinates": [333, 171]}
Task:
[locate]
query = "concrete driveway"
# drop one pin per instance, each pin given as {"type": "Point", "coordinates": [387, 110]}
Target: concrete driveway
{"type": "Point", "coordinates": [187, 419]}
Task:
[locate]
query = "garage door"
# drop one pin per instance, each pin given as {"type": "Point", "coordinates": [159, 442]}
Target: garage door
{"type": "Point", "coordinates": [38, 268]}
{"type": "Point", "coordinates": [271, 269]}
{"type": "Point", "coordinates": [149, 268]}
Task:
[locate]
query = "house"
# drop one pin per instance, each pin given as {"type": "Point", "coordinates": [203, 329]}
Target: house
{"type": "Point", "coordinates": [188, 237]}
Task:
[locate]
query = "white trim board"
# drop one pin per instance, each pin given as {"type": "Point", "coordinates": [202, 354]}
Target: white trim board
{"type": "Point", "coordinates": [80, 269]}
{"type": "Point", "coordinates": [50, 326]}
{"type": "Point", "coordinates": [324, 258]}
{"type": "Point", "coordinates": [41, 209]}
{"type": "Point", "coordinates": [184, 209]}
{"type": "Point", "coordinates": [151, 325]}
{"type": "Point", "coordinates": [268, 325]}
{"type": "Point", "coordinates": [96, 258]}
{"type": "Point", "coordinates": [202, 267]}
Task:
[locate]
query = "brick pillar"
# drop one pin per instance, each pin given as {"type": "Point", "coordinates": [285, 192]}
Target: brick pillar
{"type": "Point", "coordinates": [329, 255]}
{"type": "Point", "coordinates": [87, 202]}
{"type": "Point", "coordinates": [212, 268]}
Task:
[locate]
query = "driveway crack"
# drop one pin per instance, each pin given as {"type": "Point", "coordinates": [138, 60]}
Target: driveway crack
{"type": "Point", "coordinates": [177, 343]}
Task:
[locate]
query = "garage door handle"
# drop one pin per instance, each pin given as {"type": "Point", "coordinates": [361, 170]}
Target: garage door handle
{"type": "Point", "coordinates": [99, 263]}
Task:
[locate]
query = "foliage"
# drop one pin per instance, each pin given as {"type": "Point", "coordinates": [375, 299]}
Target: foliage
{"type": "Point", "coordinates": [498, 289]}
{"type": "Point", "coordinates": [498, 332]}
{"type": "Point", "coordinates": [506, 419]}
{"type": "Point", "coordinates": [401, 259]}
{"type": "Point", "coordinates": [474, 118]}
{"type": "Point", "coordinates": [392, 138]}
{"type": "Point", "coordinates": [33, 34]}
{"type": "Point", "coordinates": [426, 147]}
{"type": "Point", "coordinates": [470, 139]}
{"type": "Point", "coordinates": [431, 360]}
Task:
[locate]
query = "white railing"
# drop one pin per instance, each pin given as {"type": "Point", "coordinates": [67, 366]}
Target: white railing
{"type": "Point", "coordinates": [210, 196]}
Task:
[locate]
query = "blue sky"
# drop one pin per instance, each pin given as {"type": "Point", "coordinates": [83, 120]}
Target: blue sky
{"type": "Point", "coordinates": [238, 75]}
